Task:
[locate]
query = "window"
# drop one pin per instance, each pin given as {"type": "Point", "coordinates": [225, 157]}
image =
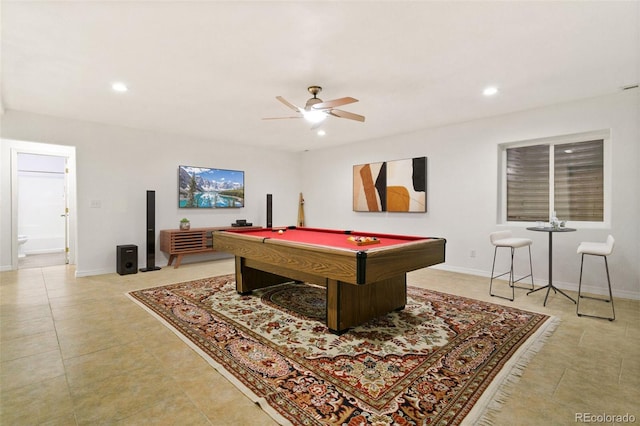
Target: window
{"type": "Point", "coordinates": [565, 176]}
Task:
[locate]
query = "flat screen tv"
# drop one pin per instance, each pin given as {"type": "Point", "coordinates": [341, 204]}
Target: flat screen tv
{"type": "Point", "coordinates": [208, 188]}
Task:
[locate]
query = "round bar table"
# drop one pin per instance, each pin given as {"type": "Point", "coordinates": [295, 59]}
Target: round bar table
{"type": "Point", "coordinates": [550, 230]}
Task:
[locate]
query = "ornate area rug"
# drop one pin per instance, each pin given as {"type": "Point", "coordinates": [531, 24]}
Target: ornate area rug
{"type": "Point", "coordinates": [441, 360]}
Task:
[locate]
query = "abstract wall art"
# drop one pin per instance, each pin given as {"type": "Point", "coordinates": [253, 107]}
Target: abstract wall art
{"type": "Point", "coordinates": [369, 187]}
{"type": "Point", "coordinates": [393, 186]}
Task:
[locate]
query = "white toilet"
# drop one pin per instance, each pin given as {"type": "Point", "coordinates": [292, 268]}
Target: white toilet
{"type": "Point", "coordinates": [21, 240]}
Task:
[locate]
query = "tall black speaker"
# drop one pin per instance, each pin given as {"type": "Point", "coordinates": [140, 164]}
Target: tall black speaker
{"type": "Point", "coordinates": [127, 259]}
{"type": "Point", "coordinates": [151, 233]}
{"type": "Point", "coordinates": [269, 211]}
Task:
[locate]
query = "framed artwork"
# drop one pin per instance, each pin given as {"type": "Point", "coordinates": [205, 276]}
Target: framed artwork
{"type": "Point", "coordinates": [209, 188]}
{"type": "Point", "coordinates": [369, 187]}
{"type": "Point", "coordinates": [393, 186]}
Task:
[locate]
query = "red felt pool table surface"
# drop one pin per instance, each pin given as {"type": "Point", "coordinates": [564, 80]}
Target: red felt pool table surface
{"type": "Point", "coordinates": [328, 237]}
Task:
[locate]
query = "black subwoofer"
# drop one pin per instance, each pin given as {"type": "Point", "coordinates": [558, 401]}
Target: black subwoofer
{"type": "Point", "coordinates": [127, 259]}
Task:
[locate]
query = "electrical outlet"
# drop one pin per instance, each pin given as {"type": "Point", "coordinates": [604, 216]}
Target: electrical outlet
{"type": "Point", "coordinates": [472, 253]}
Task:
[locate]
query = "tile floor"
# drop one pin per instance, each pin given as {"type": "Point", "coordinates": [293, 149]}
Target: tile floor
{"type": "Point", "coordinates": [41, 260]}
{"type": "Point", "coordinates": [77, 351]}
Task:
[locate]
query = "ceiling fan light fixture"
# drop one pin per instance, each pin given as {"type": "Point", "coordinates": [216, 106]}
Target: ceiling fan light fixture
{"type": "Point", "coordinates": [119, 86]}
{"type": "Point", "coordinates": [316, 110]}
{"type": "Point", "coordinates": [490, 91]}
{"type": "Point", "coordinates": [314, 116]}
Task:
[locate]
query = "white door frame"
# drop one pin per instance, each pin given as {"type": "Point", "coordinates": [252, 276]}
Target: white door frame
{"type": "Point", "coordinates": [69, 152]}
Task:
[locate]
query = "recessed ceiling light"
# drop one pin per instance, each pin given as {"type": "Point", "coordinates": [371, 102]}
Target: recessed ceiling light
{"type": "Point", "coordinates": [490, 91]}
{"type": "Point", "coordinates": [321, 133]}
{"type": "Point", "coordinates": [119, 87]}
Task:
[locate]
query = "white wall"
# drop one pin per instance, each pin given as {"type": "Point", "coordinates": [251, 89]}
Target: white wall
{"type": "Point", "coordinates": [462, 189]}
{"type": "Point", "coordinates": [116, 166]}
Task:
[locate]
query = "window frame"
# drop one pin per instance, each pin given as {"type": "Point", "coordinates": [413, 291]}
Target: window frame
{"type": "Point", "coordinates": [605, 135]}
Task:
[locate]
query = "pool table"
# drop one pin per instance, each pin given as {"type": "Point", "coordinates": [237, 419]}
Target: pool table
{"type": "Point", "coordinates": [363, 279]}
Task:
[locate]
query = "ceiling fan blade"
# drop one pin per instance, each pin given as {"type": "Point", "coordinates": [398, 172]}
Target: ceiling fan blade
{"type": "Point", "coordinates": [334, 103]}
{"type": "Point", "coordinates": [289, 104]}
{"type": "Point", "coordinates": [346, 114]}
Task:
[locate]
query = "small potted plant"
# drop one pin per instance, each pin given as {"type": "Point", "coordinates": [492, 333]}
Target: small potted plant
{"type": "Point", "coordinates": [185, 224]}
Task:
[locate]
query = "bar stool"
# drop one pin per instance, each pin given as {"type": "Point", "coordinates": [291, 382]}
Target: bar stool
{"type": "Point", "coordinates": [596, 249]}
{"type": "Point", "coordinates": [505, 239]}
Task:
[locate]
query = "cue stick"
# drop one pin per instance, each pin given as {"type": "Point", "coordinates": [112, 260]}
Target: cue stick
{"type": "Point", "coordinates": [301, 211]}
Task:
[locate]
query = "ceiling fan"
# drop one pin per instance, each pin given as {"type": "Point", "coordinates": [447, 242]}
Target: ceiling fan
{"type": "Point", "coordinates": [316, 110]}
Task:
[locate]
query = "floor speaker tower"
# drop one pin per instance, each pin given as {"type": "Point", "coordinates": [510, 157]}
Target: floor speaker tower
{"type": "Point", "coordinates": [151, 233]}
{"type": "Point", "coordinates": [269, 211]}
{"type": "Point", "coordinates": [127, 259]}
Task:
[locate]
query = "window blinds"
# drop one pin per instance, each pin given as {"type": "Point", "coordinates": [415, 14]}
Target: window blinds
{"type": "Point", "coordinates": [573, 170]}
{"type": "Point", "coordinates": [578, 181]}
{"type": "Point", "coordinates": [528, 183]}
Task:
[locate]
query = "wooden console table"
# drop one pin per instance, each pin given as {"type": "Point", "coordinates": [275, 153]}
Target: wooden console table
{"type": "Point", "coordinates": [177, 242]}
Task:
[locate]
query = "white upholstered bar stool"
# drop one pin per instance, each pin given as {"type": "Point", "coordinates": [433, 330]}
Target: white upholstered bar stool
{"type": "Point", "coordinates": [596, 249]}
{"type": "Point", "coordinates": [505, 239]}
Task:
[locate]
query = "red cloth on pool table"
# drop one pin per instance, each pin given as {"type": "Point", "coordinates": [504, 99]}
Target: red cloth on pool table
{"type": "Point", "coordinates": [328, 237]}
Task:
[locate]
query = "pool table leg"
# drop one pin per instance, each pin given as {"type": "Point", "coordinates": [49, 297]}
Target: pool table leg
{"type": "Point", "coordinates": [349, 305]}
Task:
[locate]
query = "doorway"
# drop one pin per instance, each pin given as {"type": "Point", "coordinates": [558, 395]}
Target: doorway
{"type": "Point", "coordinates": [43, 205]}
{"type": "Point", "coordinates": [43, 238]}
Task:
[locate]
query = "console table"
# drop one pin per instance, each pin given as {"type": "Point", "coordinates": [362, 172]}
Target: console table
{"type": "Point", "coordinates": [178, 243]}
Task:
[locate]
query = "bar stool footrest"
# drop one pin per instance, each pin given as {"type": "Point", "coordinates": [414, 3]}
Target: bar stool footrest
{"type": "Point", "coordinates": [501, 297]}
{"type": "Point", "coordinates": [595, 298]}
{"type": "Point", "coordinates": [595, 316]}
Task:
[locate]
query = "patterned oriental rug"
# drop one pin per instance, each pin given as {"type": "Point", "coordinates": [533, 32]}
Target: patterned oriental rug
{"type": "Point", "coordinates": [444, 359]}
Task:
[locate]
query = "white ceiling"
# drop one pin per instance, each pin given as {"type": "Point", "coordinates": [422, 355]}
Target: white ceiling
{"type": "Point", "coordinates": [212, 69]}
